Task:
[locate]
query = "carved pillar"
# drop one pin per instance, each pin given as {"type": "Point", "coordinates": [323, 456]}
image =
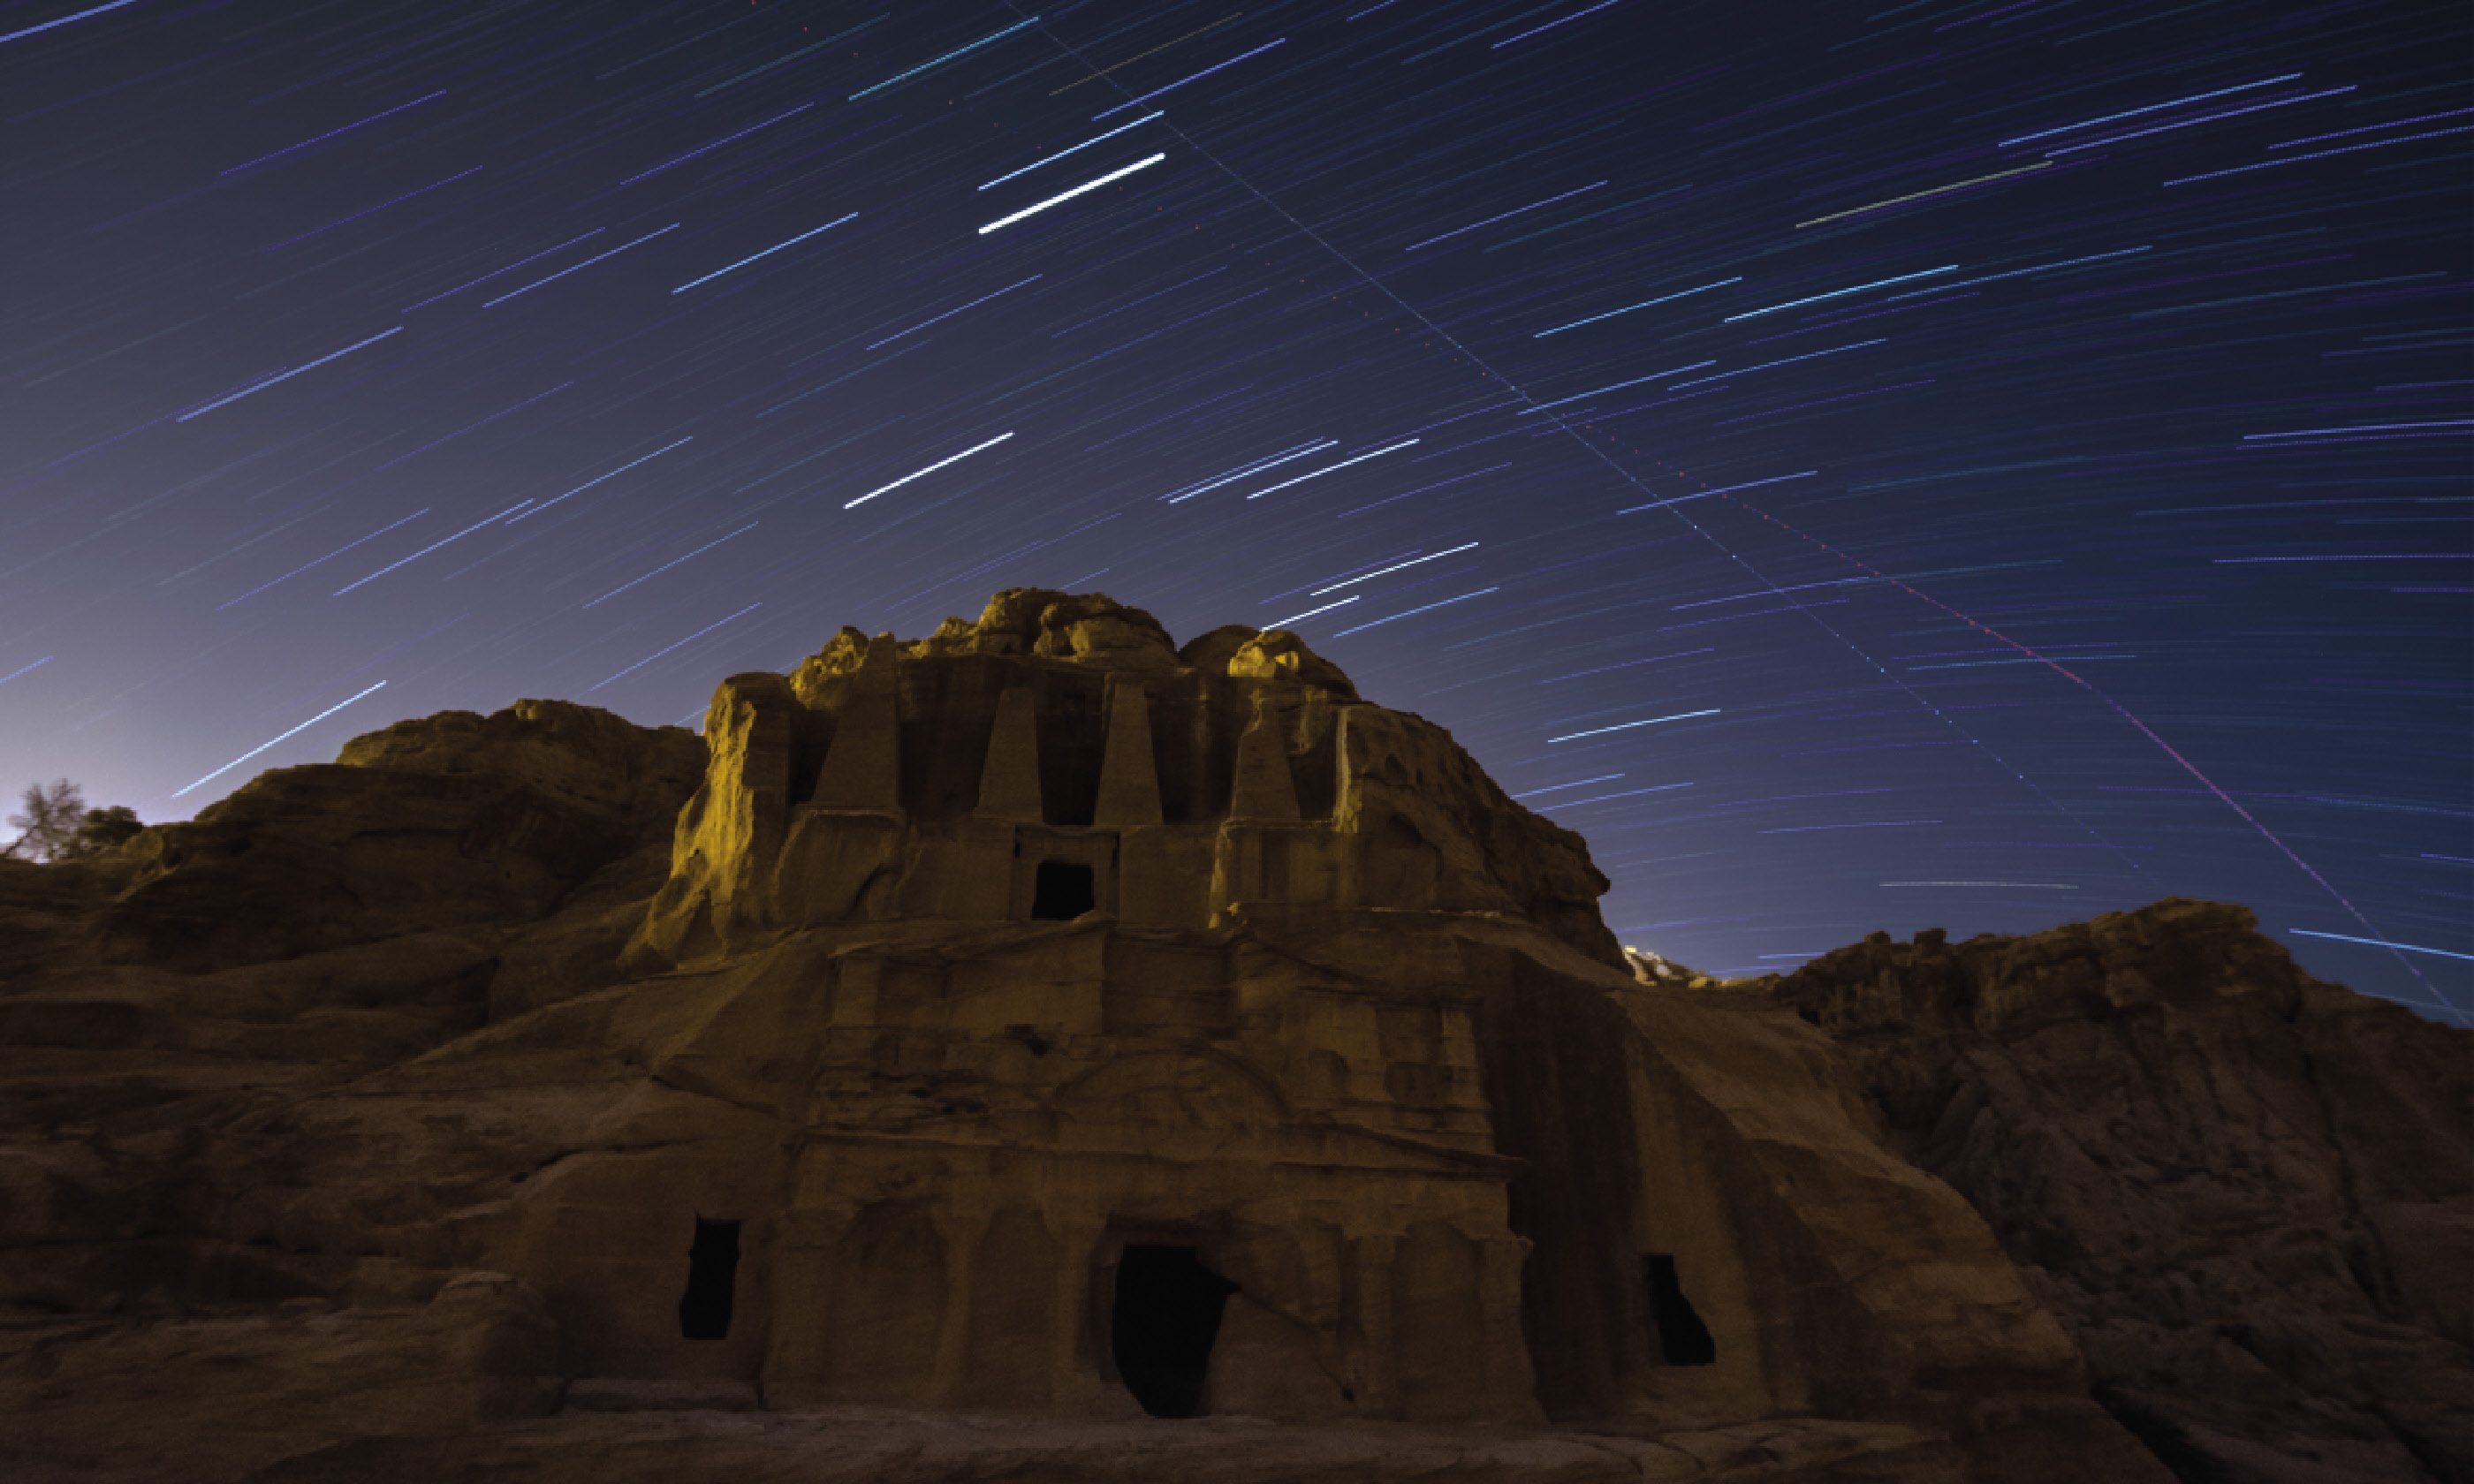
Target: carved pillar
{"type": "Point", "coordinates": [981, 888]}
{"type": "Point", "coordinates": [962, 1231]}
{"type": "Point", "coordinates": [1074, 1366]}
{"type": "Point", "coordinates": [1263, 788]}
{"type": "Point", "coordinates": [798, 1338]}
{"type": "Point", "coordinates": [1377, 1369]}
{"type": "Point", "coordinates": [1249, 863]}
{"type": "Point", "coordinates": [1010, 776]}
{"type": "Point", "coordinates": [864, 768]}
{"type": "Point", "coordinates": [1348, 811]}
{"type": "Point", "coordinates": [1510, 1380]}
{"type": "Point", "coordinates": [1153, 876]}
{"type": "Point", "coordinates": [1129, 793]}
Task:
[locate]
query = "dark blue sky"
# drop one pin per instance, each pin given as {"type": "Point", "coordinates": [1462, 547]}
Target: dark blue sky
{"type": "Point", "coordinates": [1864, 467]}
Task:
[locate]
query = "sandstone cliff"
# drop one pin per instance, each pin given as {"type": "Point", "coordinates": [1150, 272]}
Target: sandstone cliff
{"type": "Point", "coordinates": [972, 1045]}
{"type": "Point", "coordinates": [2249, 1194]}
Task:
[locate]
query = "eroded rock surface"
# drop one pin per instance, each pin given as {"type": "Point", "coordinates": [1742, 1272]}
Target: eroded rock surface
{"type": "Point", "coordinates": [969, 1044]}
{"type": "Point", "coordinates": [448, 822]}
{"type": "Point", "coordinates": [2249, 1194]}
{"type": "Point", "coordinates": [168, 1390]}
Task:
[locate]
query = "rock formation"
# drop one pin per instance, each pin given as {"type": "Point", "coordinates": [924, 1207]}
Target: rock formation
{"type": "Point", "coordinates": [2249, 1194]}
{"type": "Point", "coordinates": [969, 1052]}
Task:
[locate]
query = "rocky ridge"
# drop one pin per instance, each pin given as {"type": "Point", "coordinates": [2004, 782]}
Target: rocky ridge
{"type": "Point", "coordinates": [2247, 1193]}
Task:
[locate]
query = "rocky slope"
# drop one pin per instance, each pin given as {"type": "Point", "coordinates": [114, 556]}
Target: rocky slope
{"type": "Point", "coordinates": [2247, 1193]}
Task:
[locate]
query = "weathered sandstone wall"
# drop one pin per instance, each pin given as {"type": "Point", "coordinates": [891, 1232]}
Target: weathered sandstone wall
{"type": "Point", "coordinates": [2247, 1194]}
{"type": "Point", "coordinates": [549, 1096]}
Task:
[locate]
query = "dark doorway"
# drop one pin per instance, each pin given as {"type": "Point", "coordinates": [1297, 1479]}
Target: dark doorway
{"type": "Point", "coordinates": [1166, 1316]}
{"type": "Point", "coordinates": [713, 1274]}
{"type": "Point", "coordinates": [1683, 1339]}
{"type": "Point", "coordinates": [1063, 891]}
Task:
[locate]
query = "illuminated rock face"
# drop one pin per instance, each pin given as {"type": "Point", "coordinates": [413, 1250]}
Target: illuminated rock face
{"type": "Point", "coordinates": [1066, 741]}
{"type": "Point", "coordinates": [1038, 1017]}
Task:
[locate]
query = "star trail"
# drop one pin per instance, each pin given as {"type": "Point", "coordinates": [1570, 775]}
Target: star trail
{"type": "Point", "coordinates": [1971, 464]}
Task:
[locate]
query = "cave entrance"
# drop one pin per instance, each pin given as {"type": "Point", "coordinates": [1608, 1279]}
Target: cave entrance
{"type": "Point", "coordinates": [1160, 1329]}
{"type": "Point", "coordinates": [713, 1275]}
{"type": "Point", "coordinates": [1683, 1339]}
{"type": "Point", "coordinates": [1063, 891]}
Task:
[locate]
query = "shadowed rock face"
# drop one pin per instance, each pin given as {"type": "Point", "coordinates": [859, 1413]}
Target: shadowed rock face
{"type": "Point", "coordinates": [461, 1105]}
{"type": "Point", "coordinates": [451, 821]}
{"type": "Point", "coordinates": [2249, 1194]}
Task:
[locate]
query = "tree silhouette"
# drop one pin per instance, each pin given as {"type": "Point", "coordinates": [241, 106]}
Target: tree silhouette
{"type": "Point", "coordinates": [57, 826]}
{"type": "Point", "coordinates": [50, 819]}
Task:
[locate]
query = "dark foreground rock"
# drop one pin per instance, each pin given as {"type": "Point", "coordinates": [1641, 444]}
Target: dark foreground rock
{"type": "Point", "coordinates": [2249, 1194]}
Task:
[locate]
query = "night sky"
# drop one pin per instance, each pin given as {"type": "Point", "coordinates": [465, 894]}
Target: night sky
{"type": "Point", "coordinates": [1973, 466]}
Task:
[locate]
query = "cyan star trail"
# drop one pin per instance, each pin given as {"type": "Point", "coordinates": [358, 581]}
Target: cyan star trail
{"type": "Point", "coordinates": [1973, 466]}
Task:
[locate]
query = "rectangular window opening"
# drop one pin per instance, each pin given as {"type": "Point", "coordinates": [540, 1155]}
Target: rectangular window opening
{"type": "Point", "coordinates": [712, 1280]}
{"type": "Point", "coordinates": [1063, 891]}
